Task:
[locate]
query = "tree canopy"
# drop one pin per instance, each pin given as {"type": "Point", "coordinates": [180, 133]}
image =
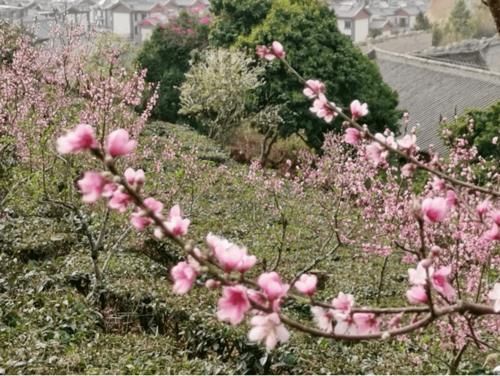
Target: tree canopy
{"type": "Point", "coordinates": [316, 48]}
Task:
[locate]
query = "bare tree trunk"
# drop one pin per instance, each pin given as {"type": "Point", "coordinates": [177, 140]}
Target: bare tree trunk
{"type": "Point", "coordinates": [494, 6]}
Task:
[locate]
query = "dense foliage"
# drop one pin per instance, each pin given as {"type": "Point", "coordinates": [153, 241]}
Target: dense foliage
{"type": "Point", "coordinates": [480, 128]}
{"type": "Point", "coordinates": [210, 96]}
{"type": "Point", "coordinates": [316, 48]}
{"type": "Point", "coordinates": [422, 22]}
{"type": "Point", "coordinates": [166, 57]}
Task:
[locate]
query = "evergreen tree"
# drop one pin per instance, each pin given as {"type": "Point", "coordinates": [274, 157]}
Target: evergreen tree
{"type": "Point", "coordinates": [422, 22]}
{"type": "Point", "coordinates": [460, 22]}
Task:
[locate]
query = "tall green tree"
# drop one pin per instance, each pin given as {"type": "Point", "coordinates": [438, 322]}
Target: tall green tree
{"type": "Point", "coordinates": [315, 47]}
{"type": "Point", "coordinates": [460, 21]}
{"type": "Point", "coordinates": [166, 56]}
{"type": "Point", "coordinates": [235, 18]}
{"type": "Point", "coordinates": [422, 22]}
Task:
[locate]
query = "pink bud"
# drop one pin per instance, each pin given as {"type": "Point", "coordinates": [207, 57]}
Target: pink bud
{"type": "Point", "coordinates": [307, 284]}
{"type": "Point", "coordinates": [212, 284]}
{"type": "Point", "coordinates": [278, 50]}
{"type": "Point", "coordinates": [134, 177]}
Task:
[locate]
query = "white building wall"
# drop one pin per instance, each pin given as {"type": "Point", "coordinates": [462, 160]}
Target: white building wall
{"type": "Point", "coordinates": [146, 33]}
{"type": "Point", "coordinates": [121, 24]}
{"type": "Point", "coordinates": [361, 30]}
{"type": "Point", "coordinates": [413, 20]}
{"type": "Point", "coordinates": [342, 23]}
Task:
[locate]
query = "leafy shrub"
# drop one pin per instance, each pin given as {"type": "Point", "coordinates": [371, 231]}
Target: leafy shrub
{"type": "Point", "coordinates": [479, 127]}
{"type": "Point", "coordinates": [217, 89]}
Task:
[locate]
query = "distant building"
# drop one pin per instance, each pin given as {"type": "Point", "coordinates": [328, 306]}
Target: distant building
{"type": "Point", "coordinates": [352, 19]}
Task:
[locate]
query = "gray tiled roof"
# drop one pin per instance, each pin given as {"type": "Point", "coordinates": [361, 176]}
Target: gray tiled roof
{"type": "Point", "coordinates": [429, 89]}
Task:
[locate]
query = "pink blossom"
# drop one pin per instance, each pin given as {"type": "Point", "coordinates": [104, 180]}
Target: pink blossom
{"type": "Point", "coordinates": [376, 153]}
{"type": "Point", "coordinates": [119, 144]}
{"type": "Point", "coordinates": [307, 284]}
{"type": "Point", "coordinates": [440, 282]}
{"type": "Point", "coordinates": [494, 295]}
{"type": "Point", "coordinates": [358, 110]}
{"type": "Point", "coordinates": [79, 139]}
{"type": "Point", "coordinates": [269, 330]}
{"type": "Point", "coordinates": [272, 285]}
{"type": "Point", "coordinates": [435, 209]}
{"type": "Point", "coordinates": [322, 108]}
{"type": "Point", "coordinates": [438, 184]}
{"type": "Point", "coordinates": [246, 263]}
{"type": "Point", "coordinates": [264, 52]}
{"type": "Point", "coordinates": [352, 136]}
{"type": "Point", "coordinates": [270, 53]}
{"type": "Point", "coordinates": [418, 276]}
{"type": "Point", "coordinates": [212, 284]}
{"type": "Point", "coordinates": [140, 220]}
{"type": "Point", "coordinates": [175, 224]}
{"type": "Point", "coordinates": [109, 189]}
{"type": "Point", "coordinates": [278, 50]}
{"type": "Point", "coordinates": [495, 215]}
{"type": "Point", "coordinates": [493, 233]}
{"type": "Point", "coordinates": [343, 302]}
{"type": "Point", "coordinates": [417, 295]}
{"type": "Point", "coordinates": [483, 208]}
{"type": "Point", "coordinates": [119, 201]}
{"type": "Point", "coordinates": [91, 186]}
{"type": "Point", "coordinates": [408, 169]}
{"type": "Point", "coordinates": [323, 318]}
{"type": "Point", "coordinates": [408, 142]}
{"type": "Point", "coordinates": [205, 20]}
{"type": "Point", "coordinates": [184, 277]}
{"type": "Point", "coordinates": [314, 88]}
{"type": "Point", "coordinates": [451, 198]}
{"type": "Point", "coordinates": [233, 304]}
{"type": "Point", "coordinates": [366, 323]}
{"type": "Point", "coordinates": [345, 324]}
{"type": "Point", "coordinates": [134, 177]}
{"type": "Point", "coordinates": [230, 256]}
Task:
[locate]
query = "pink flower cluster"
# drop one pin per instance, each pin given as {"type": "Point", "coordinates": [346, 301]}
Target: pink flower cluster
{"type": "Point", "coordinates": [342, 321]}
{"type": "Point", "coordinates": [275, 51]}
{"type": "Point", "coordinates": [419, 278]}
{"type": "Point", "coordinates": [94, 185]}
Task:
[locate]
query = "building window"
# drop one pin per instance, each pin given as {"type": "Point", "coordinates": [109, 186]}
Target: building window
{"type": "Point", "coordinates": [347, 25]}
{"type": "Point", "coordinates": [402, 22]}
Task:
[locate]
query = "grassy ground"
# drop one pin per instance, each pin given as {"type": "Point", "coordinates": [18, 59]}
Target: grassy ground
{"type": "Point", "coordinates": [50, 322]}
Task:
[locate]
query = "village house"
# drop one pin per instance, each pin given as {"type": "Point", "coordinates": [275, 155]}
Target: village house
{"type": "Point", "coordinates": [352, 19]}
